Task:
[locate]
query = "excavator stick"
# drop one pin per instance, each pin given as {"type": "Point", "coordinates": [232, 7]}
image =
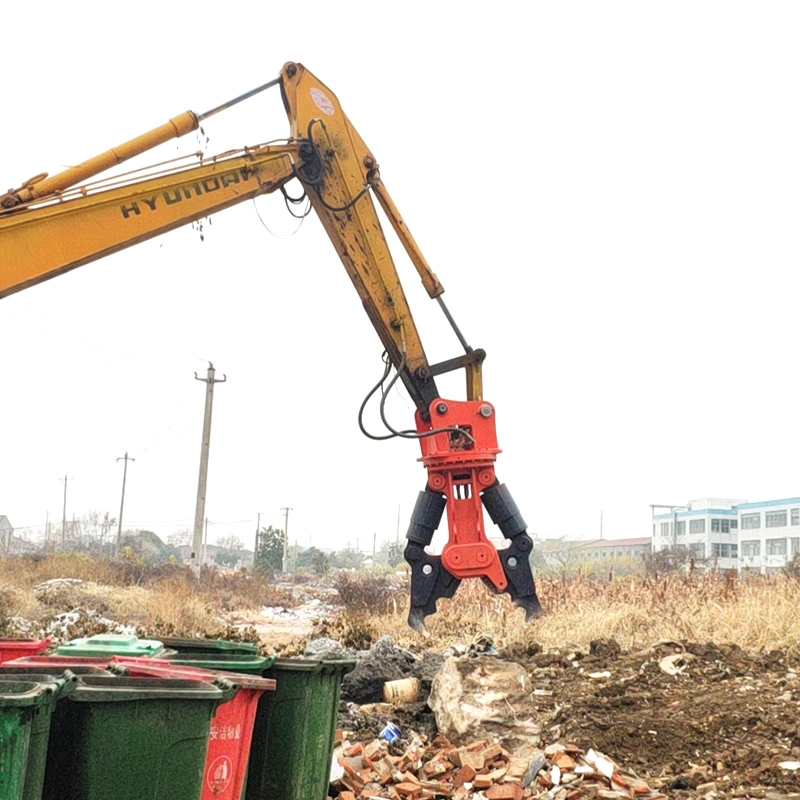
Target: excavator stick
{"type": "Point", "coordinates": [459, 448]}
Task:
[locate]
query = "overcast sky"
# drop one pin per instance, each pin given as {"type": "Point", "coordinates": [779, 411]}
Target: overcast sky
{"type": "Point", "coordinates": [607, 191]}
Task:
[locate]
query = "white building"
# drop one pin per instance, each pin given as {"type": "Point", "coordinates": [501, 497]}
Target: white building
{"type": "Point", "coordinates": [733, 534]}
{"type": "Point", "coordinates": [769, 534]}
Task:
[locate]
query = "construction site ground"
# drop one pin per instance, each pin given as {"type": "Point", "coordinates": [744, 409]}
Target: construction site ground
{"type": "Point", "coordinates": [722, 723]}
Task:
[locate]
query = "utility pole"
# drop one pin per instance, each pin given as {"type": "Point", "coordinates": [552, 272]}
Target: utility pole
{"type": "Point", "coordinates": [64, 513]}
{"type": "Point", "coordinates": [285, 564]}
{"type": "Point", "coordinates": [374, 539]}
{"type": "Point", "coordinates": [258, 530]}
{"type": "Point", "coordinates": [601, 525]}
{"type": "Point", "coordinates": [126, 459]}
{"type": "Point", "coordinates": [200, 508]}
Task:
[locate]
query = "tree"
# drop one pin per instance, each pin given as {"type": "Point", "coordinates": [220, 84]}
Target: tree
{"type": "Point", "coordinates": [230, 543]}
{"type": "Point", "coordinates": [392, 552]}
{"type": "Point", "coordinates": [229, 553]}
{"type": "Point", "coordinates": [269, 549]}
{"type": "Point", "coordinates": [346, 559]}
{"type": "Point", "coordinates": [314, 559]}
{"type": "Point", "coordinates": [180, 537]}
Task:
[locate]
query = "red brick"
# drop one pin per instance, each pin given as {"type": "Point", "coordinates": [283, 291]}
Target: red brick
{"type": "Point", "coordinates": [504, 791]}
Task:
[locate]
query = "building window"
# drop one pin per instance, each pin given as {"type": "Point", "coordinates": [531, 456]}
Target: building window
{"type": "Point", "coordinates": [721, 550]}
{"type": "Point", "coordinates": [698, 549]}
{"type": "Point", "coordinates": [721, 525]}
{"type": "Point", "coordinates": [796, 516]}
{"type": "Point", "coordinates": [776, 547]}
{"type": "Point", "coordinates": [697, 526]}
{"type": "Point", "coordinates": [665, 529]}
{"type": "Point", "coordinates": [734, 523]}
{"type": "Point", "coordinates": [776, 519]}
{"type": "Point", "coordinates": [734, 551]}
{"type": "Point", "coordinates": [751, 548]}
{"type": "Point", "coordinates": [751, 521]}
{"type": "Point", "coordinates": [795, 540]}
{"type": "Point", "coordinates": [680, 528]}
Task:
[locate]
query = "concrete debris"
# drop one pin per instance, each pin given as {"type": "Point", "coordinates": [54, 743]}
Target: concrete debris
{"type": "Point", "coordinates": [384, 661]}
{"type": "Point", "coordinates": [325, 647]}
{"type": "Point", "coordinates": [675, 664]}
{"type": "Point", "coordinates": [480, 770]}
{"type": "Point", "coordinates": [484, 697]}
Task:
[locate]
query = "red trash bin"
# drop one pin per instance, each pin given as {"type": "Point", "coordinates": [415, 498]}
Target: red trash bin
{"type": "Point", "coordinates": [231, 730]}
{"type": "Point", "coordinates": [16, 648]}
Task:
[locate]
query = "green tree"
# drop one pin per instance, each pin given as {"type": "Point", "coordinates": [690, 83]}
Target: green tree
{"type": "Point", "coordinates": [346, 559]}
{"type": "Point", "coordinates": [314, 559]}
{"type": "Point", "coordinates": [269, 551]}
{"type": "Point", "coordinates": [394, 552]}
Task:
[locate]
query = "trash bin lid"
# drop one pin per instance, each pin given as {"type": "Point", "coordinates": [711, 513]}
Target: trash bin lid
{"type": "Point", "coordinates": [12, 668]}
{"type": "Point", "coordinates": [110, 689]}
{"type": "Point", "coordinates": [196, 645]}
{"type": "Point", "coordinates": [143, 667]}
{"type": "Point", "coordinates": [61, 684]}
{"type": "Point", "coordinates": [53, 662]}
{"type": "Point", "coordinates": [15, 694]}
{"type": "Point", "coordinates": [232, 662]}
{"type": "Point", "coordinates": [110, 644]}
{"type": "Point", "coordinates": [343, 665]}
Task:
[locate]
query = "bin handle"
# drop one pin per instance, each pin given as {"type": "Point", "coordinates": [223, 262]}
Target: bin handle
{"type": "Point", "coordinates": [227, 687]}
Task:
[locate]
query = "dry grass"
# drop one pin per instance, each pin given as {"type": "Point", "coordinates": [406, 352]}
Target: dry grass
{"type": "Point", "coordinates": [759, 613]}
{"type": "Point", "coordinates": [756, 614]}
{"type": "Point", "coordinates": [164, 599]}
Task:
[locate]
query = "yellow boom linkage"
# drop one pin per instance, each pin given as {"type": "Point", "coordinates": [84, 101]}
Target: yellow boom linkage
{"type": "Point", "coordinates": [50, 225]}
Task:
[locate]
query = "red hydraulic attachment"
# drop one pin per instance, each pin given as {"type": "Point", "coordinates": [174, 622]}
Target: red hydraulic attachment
{"type": "Point", "coordinates": [460, 463]}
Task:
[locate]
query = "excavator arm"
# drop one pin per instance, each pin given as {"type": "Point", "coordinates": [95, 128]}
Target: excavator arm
{"type": "Point", "coordinates": [50, 225]}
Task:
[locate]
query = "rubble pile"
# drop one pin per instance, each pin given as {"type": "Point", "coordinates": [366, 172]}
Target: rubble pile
{"type": "Point", "coordinates": [479, 771]}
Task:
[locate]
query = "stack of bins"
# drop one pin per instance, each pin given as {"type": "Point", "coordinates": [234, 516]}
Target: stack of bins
{"type": "Point", "coordinates": [121, 738]}
{"type": "Point", "coordinates": [19, 702]}
{"type": "Point", "coordinates": [231, 728]}
{"type": "Point", "coordinates": [293, 736]}
{"type": "Point", "coordinates": [40, 722]}
{"type": "Point", "coordinates": [17, 648]}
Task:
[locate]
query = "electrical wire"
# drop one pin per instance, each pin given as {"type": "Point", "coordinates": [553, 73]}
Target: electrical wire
{"type": "Point", "coordinates": [393, 434]}
{"type": "Point", "coordinates": [314, 178]}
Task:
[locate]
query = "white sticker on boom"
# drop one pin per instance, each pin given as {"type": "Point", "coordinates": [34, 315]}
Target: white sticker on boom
{"type": "Point", "coordinates": [321, 101]}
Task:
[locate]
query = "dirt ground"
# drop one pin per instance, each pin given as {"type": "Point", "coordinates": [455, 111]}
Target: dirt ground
{"type": "Point", "coordinates": [727, 716]}
{"type": "Point", "coordinates": [722, 723]}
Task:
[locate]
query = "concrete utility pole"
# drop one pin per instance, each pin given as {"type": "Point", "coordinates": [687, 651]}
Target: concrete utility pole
{"type": "Point", "coordinates": [200, 508]}
{"type": "Point", "coordinates": [126, 459]}
{"type": "Point", "coordinates": [285, 564]}
{"type": "Point", "coordinates": [64, 513]}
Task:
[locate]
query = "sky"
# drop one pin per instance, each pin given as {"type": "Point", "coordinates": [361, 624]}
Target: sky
{"type": "Point", "coordinates": [607, 191]}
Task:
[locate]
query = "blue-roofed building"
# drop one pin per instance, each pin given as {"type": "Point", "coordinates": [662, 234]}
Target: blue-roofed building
{"type": "Point", "coordinates": [732, 534]}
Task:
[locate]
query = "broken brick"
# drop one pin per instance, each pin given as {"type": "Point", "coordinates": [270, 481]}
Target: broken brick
{"type": "Point", "coordinates": [504, 791]}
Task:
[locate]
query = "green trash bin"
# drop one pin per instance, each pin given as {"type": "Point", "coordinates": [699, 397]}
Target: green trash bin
{"type": "Point", "coordinates": [60, 685]}
{"type": "Point", "coordinates": [241, 662]}
{"type": "Point", "coordinates": [290, 755]}
{"type": "Point", "coordinates": [212, 646]}
{"type": "Point", "coordinates": [19, 701]}
{"type": "Point", "coordinates": [112, 644]}
{"type": "Point", "coordinates": [120, 738]}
